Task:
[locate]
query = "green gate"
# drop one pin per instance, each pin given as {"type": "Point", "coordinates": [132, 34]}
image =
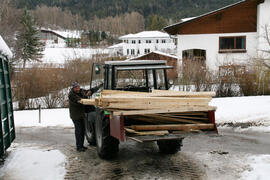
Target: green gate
{"type": "Point", "coordinates": [7, 128]}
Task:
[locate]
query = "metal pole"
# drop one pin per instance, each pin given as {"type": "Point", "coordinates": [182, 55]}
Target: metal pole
{"type": "Point", "coordinates": [39, 110]}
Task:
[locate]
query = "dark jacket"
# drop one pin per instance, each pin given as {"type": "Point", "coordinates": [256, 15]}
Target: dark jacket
{"type": "Point", "coordinates": [76, 109]}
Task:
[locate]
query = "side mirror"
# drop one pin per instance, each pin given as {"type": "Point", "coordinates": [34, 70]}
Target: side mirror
{"type": "Point", "coordinates": [97, 69]}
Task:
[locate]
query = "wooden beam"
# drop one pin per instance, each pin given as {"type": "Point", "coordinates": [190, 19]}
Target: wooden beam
{"type": "Point", "coordinates": [88, 102]}
{"type": "Point", "coordinates": [172, 127]}
{"type": "Point", "coordinates": [164, 110]}
{"type": "Point", "coordinates": [156, 133]}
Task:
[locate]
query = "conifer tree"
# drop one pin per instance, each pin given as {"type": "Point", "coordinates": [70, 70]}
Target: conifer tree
{"type": "Point", "coordinates": [28, 45]}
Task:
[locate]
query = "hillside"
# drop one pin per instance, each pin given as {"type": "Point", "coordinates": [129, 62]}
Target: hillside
{"type": "Point", "coordinates": [169, 9]}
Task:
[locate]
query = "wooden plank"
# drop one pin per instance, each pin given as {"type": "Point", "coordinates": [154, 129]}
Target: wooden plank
{"type": "Point", "coordinates": [171, 119]}
{"type": "Point", "coordinates": [166, 93]}
{"type": "Point", "coordinates": [156, 133]}
{"type": "Point", "coordinates": [157, 111]}
{"type": "Point", "coordinates": [172, 127]}
{"type": "Point", "coordinates": [151, 105]}
{"type": "Point", "coordinates": [158, 93]}
{"type": "Point", "coordinates": [89, 102]}
{"type": "Point", "coordinates": [185, 117]}
{"type": "Point", "coordinates": [153, 99]}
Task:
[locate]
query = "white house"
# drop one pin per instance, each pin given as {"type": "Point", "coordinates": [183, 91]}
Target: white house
{"type": "Point", "coordinates": [146, 42]}
{"type": "Point", "coordinates": [232, 34]}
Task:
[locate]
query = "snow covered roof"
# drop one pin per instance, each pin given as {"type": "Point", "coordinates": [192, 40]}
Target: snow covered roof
{"type": "Point", "coordinates": [188, 19]}
{"type": "Point", "coordinates": [4, 49]}
{"type": "Point", "coordinates": [146, 34]}
{"type": "Point", "coordinates": [157, 52]}
{"type": "Point", "coordinates": [64, 34]}
{"type": "Point", "coordinates": [120, 45]}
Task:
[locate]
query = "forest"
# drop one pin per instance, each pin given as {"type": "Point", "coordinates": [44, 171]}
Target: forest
{"type": "Point", "coordinates": [169, 9]}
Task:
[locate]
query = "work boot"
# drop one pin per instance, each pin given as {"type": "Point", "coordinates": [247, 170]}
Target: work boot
{"type": "Point", "coordinates": [81, 149]}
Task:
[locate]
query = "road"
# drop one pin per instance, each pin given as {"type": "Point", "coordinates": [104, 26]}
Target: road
{"type": "Point", "coordinates": [202, 156]}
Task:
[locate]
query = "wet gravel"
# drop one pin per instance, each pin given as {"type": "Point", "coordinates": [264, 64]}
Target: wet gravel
{"type": "Point", "coordinates": [202, 156]}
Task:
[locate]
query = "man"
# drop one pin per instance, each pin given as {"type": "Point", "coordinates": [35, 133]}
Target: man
{"type": "Point", "coordinates": [77, 112]}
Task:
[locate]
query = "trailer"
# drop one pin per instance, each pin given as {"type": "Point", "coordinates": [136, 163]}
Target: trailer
{"type": "Point", "coordinates": [137, 105]}
{"type": "Point", "coordinates": [7, 128]}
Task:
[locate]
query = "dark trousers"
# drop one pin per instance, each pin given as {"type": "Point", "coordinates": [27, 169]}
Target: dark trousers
{"type": "Point", "coordinates": [79, 132]}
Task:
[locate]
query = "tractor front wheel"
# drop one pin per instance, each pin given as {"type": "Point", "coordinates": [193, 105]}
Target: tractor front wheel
{"type": "Point", "coordinates": [107, 146]}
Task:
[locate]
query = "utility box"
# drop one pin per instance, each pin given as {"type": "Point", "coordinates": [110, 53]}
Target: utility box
{"type": "Point", "coordinates": [7, 128]}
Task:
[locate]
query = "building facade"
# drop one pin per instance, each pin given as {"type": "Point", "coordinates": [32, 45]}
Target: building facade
{"type": "Point", "coordinates": [146, 42]}
{"type": "Point", "coordinates": [230, 35]}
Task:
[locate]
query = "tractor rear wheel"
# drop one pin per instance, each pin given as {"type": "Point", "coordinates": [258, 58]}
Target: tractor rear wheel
{"type": "Point", "coordinates": [107, 146]}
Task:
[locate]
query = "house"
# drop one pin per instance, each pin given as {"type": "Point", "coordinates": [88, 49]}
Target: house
{"type": "Point", "coordinates": [116, 50]}
{"type": "Point", "coordinates": [53, 38]}
{"type": "Point", "coordinates": [231, 35]}
{"type": "Point", "coordinates": [171, 61]}
{"type": "Point", "coordinates": [146, 42]}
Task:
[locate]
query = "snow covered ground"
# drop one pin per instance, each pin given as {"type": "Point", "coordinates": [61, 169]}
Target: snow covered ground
{"type": "Point", "coordinates": [61, 55]}
{"type": "Point", "coordinates": [34, 164]}
{"type": "Point", "coordinates": [252, 111]}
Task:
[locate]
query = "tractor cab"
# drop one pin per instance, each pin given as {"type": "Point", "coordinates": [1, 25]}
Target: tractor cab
{"type": "Point", "coordinates": [133, 75]}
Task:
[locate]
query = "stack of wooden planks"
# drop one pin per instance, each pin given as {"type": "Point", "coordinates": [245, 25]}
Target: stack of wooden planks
{"type": "Point", "coordinates": [158, 101]}
{"type": "Point", "coordinates": [161, 110]}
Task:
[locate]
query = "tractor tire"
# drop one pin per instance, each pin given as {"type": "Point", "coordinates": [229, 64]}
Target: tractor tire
{"type": "Point", "coordinates": [107, 146]}
{"type": "Point", "coordinates": [90, 130]}
{"type": "Point", "coordinates": [169, 146]}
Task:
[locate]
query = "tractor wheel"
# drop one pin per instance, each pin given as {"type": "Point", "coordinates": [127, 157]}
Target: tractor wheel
{"type": "Point", "coordinates": [169, 146]}
{"type": "Point", "coordinates": [90, 129]}
{"type": "Point", "coordinates": [107, 146]}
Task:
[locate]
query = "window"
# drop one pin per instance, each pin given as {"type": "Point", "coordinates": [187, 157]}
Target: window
{"type": "Point", "coordinates": [138, 52]}
{"type": "Point", "coordinates": [127, 51]}
{"type": "Point", "coordinates": [133, 42]}
{"type": "Point", "coordinates": [132, 52]}
{"type": "Point", "coordinates": [146, 51]}
{"type": "Point", "coordinates": [148, 41]}
{"type": "Point", "coordinates": [163, 41]}
{"type": "Point", "coordinates": [139, 41]}
{"type": "Point", "coordinates": [232, 44]}
{"type": "Point", "coordinates": [157, 41]}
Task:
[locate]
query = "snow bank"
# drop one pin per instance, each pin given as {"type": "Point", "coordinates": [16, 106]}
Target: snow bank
{"type": "Point", "coordinates": [4, 49]}
{"type": "Point", "coordinates": [253, 110]}
{"type": "Point", "coordinates": [260, 168]}
{"type": "Point", "coordinates": [61, 55]}
{"type": "Point", "coordinates": [49, 117]}
{"type": "Point", "coordinates": [34, 164]}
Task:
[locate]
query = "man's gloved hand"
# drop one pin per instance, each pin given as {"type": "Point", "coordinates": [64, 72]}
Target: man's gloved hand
{"type": "Point", "coordinates": [89, 93]}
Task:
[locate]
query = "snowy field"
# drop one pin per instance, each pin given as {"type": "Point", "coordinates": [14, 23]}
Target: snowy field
{"type": "Point", "coordinates": [252, 111]}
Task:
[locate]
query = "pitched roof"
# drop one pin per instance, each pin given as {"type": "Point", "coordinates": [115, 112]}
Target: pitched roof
{"type": "Point", "coordinates": [146, 34]}
{"type": "Point", "coordinates": [173, 29]}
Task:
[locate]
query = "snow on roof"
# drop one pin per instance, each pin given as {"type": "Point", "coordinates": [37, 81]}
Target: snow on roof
{"type": "Point", "coordinates": [4, 49]}
{"type": "Point", "coordinates": [146, 34]}
{"type": "Point", "coordinates": [120, 45]}
{"type": "Point", "coordinates": [187, 19]}
{"type": "Point", "coordinates": [65, 34]}
{"type": "Point", "coordinates": [157, 52]}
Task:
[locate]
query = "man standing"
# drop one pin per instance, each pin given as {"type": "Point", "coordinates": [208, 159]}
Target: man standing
{"type": "Point", "coordinates": [77, 112]}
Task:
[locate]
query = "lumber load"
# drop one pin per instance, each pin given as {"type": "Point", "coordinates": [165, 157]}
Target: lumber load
{"type": "Point", "coordinates": [159, 101]}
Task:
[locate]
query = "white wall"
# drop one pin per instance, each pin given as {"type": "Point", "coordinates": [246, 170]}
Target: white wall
{"type": "Point", "coordinates": [263, 20]}
{"type": "Point", "coordinates": [153, 46]}
{"type": "Point", "coordinates": [210, 43]}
